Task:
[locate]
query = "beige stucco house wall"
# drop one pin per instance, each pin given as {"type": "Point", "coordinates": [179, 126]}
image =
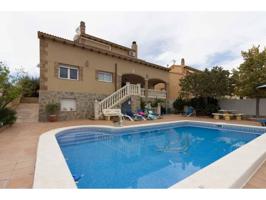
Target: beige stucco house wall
{"type": "Point", "coordinates": [176, 73]}
{"type": "Point", "coordinates": [91, 55]}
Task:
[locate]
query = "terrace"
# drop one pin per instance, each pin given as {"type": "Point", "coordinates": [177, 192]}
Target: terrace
{"type": "Point", "coordinates": [18, 145]}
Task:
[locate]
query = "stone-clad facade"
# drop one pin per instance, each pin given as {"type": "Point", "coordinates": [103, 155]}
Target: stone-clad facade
{"type": "Point", "coordinates": [84, 104]}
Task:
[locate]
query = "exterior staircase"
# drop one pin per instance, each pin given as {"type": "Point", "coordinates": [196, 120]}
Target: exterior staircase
{"type": "Point", "coordinates": [116, 98]}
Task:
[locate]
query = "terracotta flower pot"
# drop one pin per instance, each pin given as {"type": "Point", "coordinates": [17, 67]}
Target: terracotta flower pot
{"type": "Point", "coordinates": [52, 118]}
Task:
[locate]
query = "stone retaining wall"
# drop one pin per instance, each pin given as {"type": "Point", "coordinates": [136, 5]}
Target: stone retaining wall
{"type": "Point", "coordinates": [135, 103]}
{"type": "Point", "coordinates": [84, 104]}
{"type": "Point", "coordinates": [14, 104]}
{"type": "Point", "coordinates": [29, 100]}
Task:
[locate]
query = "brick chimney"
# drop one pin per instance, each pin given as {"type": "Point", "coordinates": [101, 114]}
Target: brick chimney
{"type": "Point", "coordinates": [134, 47]}
{"type": "Point", "coordinates": [82, 28]}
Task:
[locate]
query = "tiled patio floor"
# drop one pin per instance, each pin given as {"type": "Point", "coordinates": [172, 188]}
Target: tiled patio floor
{"type": "Point", "coordinates": [258, 181]}
{"type": "Point", "coordinates": [18, 145]}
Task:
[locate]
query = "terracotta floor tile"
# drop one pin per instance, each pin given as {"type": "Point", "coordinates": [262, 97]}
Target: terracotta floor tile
{"type": "Point", "coordinates": [7, 165]}
{"type": "Point", "coordinates": [10, 157]}
{"type": "Point", "coordinates": [25, 164]}
{"type": "Point", "coordinates": [20, 182]}
{"type": "Point", "coordinates": [259, 179]}
{"type": "Point", "coordinates": [249, 186]}
{"type": "Point", "coordinates": [22, 172]}
{"type": "Point", "coordinates": [3, 183]}
{"type": "Point", "coordinates": [258, 182]}
{"type": "Point", "coordinates": [6, 175]}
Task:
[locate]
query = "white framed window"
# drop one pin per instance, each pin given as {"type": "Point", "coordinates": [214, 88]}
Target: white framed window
{"type": "Point", "coordinates": [104, 76]}
{"type": "Point", "coordinates": [68, 72]}
{"type": "Point", "coordinates": [68, 105]}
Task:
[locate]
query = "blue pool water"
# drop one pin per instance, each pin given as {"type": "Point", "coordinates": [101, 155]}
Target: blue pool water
{"type": "Point", "coordinates": [145, 157]}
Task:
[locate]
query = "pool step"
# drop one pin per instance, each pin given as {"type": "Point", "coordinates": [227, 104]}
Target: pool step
{"type": "Point", "coordinates": [82, 138]}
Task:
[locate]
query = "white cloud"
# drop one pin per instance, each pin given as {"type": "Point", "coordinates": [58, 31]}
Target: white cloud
{"type": "Point", "coordinates": [161, 36]}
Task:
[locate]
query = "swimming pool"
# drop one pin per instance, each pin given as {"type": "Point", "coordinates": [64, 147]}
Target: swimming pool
{"type": "Point", "coordinates": [150, 156]}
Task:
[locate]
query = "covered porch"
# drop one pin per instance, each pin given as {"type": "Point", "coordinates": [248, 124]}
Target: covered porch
{"type": "Point", "coordinates": [150, 88]}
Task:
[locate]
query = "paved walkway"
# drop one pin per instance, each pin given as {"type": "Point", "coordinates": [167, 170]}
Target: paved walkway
{"type": "Point", "coordinates": [18, 144]}
{"type": "Point", "coordinates": [258, 181]}
{"type": "Point", "coordinates": [27, 112]}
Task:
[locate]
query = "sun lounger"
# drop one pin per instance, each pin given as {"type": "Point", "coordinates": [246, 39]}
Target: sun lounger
{"type": "Point", "coordinates": [127, 117]}
{"type": "Point", "coordinates": [189, 111]}
{"type": "Point", "coordinates": [152, 115]}
{"type": "Point", "coordinates": [262, 121]}
{"type": "Point", "coordinates": [133, 116]}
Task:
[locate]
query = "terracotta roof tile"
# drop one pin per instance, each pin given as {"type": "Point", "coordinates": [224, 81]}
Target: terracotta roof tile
{"type": "Point", "coordinates": [106, 42]}
{"type": "Point", "coordinates": [98, 50]}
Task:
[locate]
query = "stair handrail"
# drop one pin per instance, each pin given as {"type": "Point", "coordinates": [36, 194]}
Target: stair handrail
{"type": "Point", "coordinates": [116, 97]}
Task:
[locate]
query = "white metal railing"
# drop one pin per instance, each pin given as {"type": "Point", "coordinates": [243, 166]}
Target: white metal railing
{"type": "Point", "coordinates": [154, 93]}
{"type": "Point", "coordinates": [115, 98]}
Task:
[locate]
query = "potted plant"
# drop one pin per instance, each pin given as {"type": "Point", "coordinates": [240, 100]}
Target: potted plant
{"type": "Point", "coordinates": [52, 110]}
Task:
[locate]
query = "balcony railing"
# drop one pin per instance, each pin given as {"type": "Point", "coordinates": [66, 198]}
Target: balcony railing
{"type": "Point", "coordinates": [154, 93]}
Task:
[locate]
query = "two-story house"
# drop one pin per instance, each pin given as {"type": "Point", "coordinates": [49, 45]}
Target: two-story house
{"type": "Point", "coordinates": [89, 74]}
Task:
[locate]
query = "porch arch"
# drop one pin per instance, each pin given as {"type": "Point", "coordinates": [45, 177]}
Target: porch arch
{"type": "Point", "coordinates": [133, 79]}
{"type": "Point", "coordinates": [157, 84]}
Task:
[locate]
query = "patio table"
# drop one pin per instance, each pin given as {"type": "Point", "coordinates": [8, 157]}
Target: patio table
{"type": "Point", "coordinates": [226, 111]}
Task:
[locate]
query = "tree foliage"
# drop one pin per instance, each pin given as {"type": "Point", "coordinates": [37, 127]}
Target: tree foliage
{"type": "Point", "coordinates": [251, 73]}
{"type": "Point", "coordinates": [202, 106]}
{"type": "Point", "coordinates": [209, 83]}
{"type": "Point", "coordinates": [30, 86]}
{"type": "Point", "coordinates": [9, 87]}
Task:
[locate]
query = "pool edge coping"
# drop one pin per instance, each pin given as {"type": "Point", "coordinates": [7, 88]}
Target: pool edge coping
{"type": "Point", "coordinates": [53, 172]}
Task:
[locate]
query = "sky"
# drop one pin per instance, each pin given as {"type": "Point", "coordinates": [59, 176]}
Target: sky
{"type": "Point", "coordinates": [204, 39]}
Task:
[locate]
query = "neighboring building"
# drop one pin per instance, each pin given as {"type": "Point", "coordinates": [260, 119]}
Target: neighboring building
{"type": "Point", "coordinates": [79, 74]}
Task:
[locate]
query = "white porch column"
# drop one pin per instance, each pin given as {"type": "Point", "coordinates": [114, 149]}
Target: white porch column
{"type": "Point", "coordinates": [159, 109]}
{"type": "Point", "coordinates": [139, 89]}
{"type": "Point", "coordinates": [167, 90]}
{"type": "Point", "coordinates": [167, 97]}
{"type": "Point", "coordinates": [146, 89]}
{"type": "Point", "coordinates": [128, 87]}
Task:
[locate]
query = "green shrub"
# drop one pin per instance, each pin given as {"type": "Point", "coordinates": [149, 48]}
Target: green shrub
{"type": "Point", "coordinates": [199, 105]}
{"type": "Point", "coordinates": [156, 102]}
{"type": "Point", "coordinates": [179, 104]}
{"type": "Point", "coordinates": [7, 116]}
{"type": "Point", "coordinates": [202, 105]}
{"type": "Point", "coordinates": [142, 104]}
{"type": "Point", "coordinates": [30, 86]}
{"type": "Point", "coordinates": [211, 108]}
{"type": "Point", "coordinates": [52, 108]}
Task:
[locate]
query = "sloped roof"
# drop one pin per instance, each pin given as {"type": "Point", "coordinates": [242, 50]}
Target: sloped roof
{"type": "Point", "coordinates": [91, 37]}
{"type": "Point", "coordinates": [192, 69]}
{"type": "Point", "coordinates": [186, 67]}
{"type": "Point", "coordinates": [98, 50]}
